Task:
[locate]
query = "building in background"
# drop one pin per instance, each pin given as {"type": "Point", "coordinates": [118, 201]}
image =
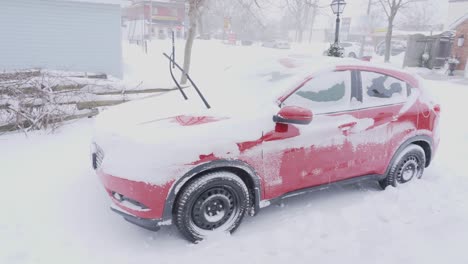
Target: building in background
{"type": "Point", "coordinates": [65, 35]}
{"type": "Point", "coordinates": [154, 19]}
{"type": "Point", "coordinates": [460, 44]}
{"type": "Point", "coordinates": [458, 14]}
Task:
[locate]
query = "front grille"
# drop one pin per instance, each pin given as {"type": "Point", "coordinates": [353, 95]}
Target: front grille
{"type": "Point", "coordinates": [98, 156]}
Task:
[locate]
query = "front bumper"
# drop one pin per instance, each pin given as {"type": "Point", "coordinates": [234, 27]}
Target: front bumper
{"type": "Point", "coordinates": [149, 224]}
{"type": "Point", "coordinates": [151, 197]}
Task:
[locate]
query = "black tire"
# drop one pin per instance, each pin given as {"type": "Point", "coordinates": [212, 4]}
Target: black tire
{"type": "Point", "coordinates": [352, 55]}
{"type": "Point", "coordinates": [215, 202]}
{"type": "Point", "coordinates": [408, 165]}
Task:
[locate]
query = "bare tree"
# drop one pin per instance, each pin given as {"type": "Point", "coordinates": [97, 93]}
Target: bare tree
{"type": "Point", "coordinates": [299, 10]}
{"type": "Point", "coordinates": [314, 5]}
{"type": "Point", "coordinates": [244, 10]}
{"type": "Point", "coordinates": [391, 8]}
{"type": "Point", "coordinates": [422, 16]}
{"type": "Point", "coordinates": [194, 13]}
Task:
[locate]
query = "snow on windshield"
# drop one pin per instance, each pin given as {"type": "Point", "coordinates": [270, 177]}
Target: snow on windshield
{"type": "Point", "coordinates": [265, 80]}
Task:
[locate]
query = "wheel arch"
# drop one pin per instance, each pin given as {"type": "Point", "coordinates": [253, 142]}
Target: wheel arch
{"type": "Point", "coordinates": [243, 170]}
{"type": "Point", "coordinates": [423, 141]}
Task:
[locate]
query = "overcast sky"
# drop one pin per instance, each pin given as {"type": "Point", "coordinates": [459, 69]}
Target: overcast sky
{"type": "Point", "coordinates": [354, 9]}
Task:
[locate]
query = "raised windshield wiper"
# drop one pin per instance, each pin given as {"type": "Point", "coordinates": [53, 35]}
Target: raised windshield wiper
{"type": "Point", "coordinates": [172, 63]}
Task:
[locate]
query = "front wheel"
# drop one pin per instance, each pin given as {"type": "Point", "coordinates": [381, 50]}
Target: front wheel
{"type": "Point", "coordinates": [215, 202]}
{"type": "Point", "coordinates": [408, 165]}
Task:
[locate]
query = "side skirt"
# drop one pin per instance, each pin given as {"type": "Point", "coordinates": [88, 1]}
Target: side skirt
{"type": "Point", "coordinates": [350, 181]}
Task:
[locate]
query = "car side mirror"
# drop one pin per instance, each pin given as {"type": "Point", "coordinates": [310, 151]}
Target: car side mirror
{"type": "Point", "coordinates": [293, 115]}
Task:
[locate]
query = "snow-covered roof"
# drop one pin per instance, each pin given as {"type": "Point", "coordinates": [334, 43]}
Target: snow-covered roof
{"type": "Point", "coordinates": [458, 22]}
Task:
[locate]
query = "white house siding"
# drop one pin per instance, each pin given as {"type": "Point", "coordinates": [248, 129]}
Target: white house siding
{"type": "Point", "coordinates": [61, 35]}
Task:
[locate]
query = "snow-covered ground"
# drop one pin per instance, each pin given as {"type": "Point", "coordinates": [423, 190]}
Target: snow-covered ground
{"type": "Point", "coordinates": [151, 69]}
{"type": "Point", "coordinates": [54, 210]}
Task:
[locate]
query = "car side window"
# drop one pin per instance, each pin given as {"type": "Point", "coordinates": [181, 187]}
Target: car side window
{"type": "Point", "coordinates": [381, 89]}
{"type": "Point", "coordinates": [325, 93]}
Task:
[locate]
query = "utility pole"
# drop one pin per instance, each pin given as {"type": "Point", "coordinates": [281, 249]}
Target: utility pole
{"type": "Point", "coordinates": [337, 28]}
{"type": "Point", "coordinates": [363, 40]}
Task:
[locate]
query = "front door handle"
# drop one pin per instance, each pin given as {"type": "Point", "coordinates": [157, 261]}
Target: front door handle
{"type": "Point", "coordinates": [347, 126]}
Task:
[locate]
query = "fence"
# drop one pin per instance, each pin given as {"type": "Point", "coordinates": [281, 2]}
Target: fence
{"type": "Point", "coordinates": [437, 47]}
{"type": "Point", "coordinates": [38, 100]}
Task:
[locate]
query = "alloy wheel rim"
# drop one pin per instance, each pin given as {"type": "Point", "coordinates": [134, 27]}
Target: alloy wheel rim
{"type": "Point", "coordinates": [409, 170]}
{"type": "Point", "coordinates": [214, 207]}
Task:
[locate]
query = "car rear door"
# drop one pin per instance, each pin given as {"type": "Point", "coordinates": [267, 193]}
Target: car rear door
{"type": "Point", "coordinates": [383, 109]}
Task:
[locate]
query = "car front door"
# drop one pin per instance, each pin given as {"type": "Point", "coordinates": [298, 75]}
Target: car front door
{"type": "Point", "coordinates": [301, 156]}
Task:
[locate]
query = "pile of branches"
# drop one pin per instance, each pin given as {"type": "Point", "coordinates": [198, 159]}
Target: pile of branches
{"type": "Point", "coordinates": [33, 100]}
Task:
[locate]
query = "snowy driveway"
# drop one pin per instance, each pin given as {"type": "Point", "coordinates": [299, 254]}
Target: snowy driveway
{"type": "Point", "coordinates": [55, 211]}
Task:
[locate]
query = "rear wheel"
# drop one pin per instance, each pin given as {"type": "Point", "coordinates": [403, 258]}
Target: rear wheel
{"type": "Point", "coordinates": [352, 55]}
{"type": "Point", "coordinates": [408, 165]}
{"type": "Point", "coordinates": [215, 202]}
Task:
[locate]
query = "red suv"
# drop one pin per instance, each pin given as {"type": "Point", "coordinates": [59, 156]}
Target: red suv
{"type": "Point", "coordinates": [164, 160]}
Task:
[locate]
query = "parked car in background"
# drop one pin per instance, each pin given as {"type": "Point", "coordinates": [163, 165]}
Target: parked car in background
{"type": "Point", "coordinates": [277, 44]}
{"type": "Point", "coordinates": [397, 47]}
{"type": "Point", "coordinates": [163, 160]}
{"type": "Point", "coordinates": [353, 50]}
{"type": "Point", "coordinates": [162, 34]}
{"type": "Point", "coordinates": [247, 42]}
{"type": "Point", "coordinates": [205, 36]}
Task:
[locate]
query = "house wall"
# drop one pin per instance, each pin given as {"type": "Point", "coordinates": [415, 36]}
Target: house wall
{"type": "Point", "coordinates": [461, 52]}
{"type": "Point", "coordinates": [60, 35]}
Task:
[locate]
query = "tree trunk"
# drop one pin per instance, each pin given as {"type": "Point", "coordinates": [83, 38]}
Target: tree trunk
{"type": "Point", "coordinates": [299, 34]}
{"type": "Point", "coordinates": [388, 38]}
{"type": "Point", "coordinates": [363, 39]}
{"type": "Point", "coordinates": [303, 22]}
{"type": "Point", "coordinates": [189, 43]}
{"type": "Point", "coordinates": [312, 22]}
{"type": "Point", "coordinates": [200, 26]}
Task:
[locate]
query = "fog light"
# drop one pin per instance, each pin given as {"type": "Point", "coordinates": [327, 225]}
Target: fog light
{"type": "Point", "coordinates": [117, 196]}
{"type": "Point", "coordinates": [128, 202]}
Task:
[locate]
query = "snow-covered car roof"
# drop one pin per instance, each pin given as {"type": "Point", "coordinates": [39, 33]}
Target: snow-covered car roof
{"type": "Point", "coordinates": [268, 79]}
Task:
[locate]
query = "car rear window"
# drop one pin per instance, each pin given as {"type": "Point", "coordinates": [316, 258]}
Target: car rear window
{"type": "Point", "coordinates": [381, 89]}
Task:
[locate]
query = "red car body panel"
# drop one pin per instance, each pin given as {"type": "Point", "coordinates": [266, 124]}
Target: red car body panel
{"type": "Point", "coordinates": [285, 170]}
{"type": "Point", "coordinates": [145, 193]}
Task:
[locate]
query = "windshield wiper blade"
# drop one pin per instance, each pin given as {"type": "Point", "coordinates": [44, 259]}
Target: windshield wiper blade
{"type": "Point", "coordinates": [188, 78]}
{"type": "Point", "coordinates": [171, 66]}
{"type": "Point", "coordinates": [174, 79]}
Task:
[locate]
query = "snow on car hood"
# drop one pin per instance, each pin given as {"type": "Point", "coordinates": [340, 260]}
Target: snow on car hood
{"type": "Point", "coordinates": [162, 135]}
{"type": "Point", "coordinates": [234, 92]}
{"type": "Point", "coordinates": [155, 138]}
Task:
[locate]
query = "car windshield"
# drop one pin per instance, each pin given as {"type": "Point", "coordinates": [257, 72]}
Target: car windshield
{"type": "Point", "coordinates": [263, 82]}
